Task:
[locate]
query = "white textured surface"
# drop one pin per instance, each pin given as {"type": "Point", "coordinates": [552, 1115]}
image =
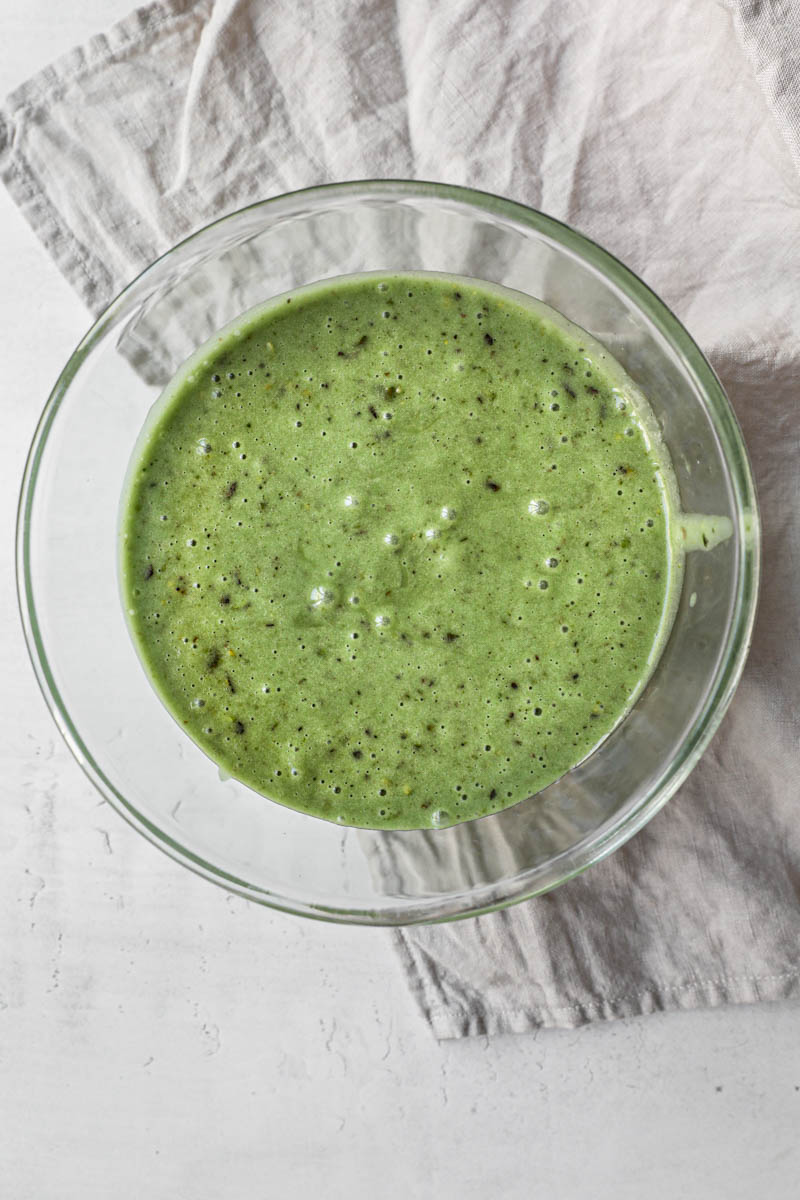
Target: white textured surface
{"type": "Point", "coordinates": [159, 1038]}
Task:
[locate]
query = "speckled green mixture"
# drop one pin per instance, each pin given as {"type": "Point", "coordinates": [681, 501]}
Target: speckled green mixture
{"type": "Point", "coordinates": [396, 549]}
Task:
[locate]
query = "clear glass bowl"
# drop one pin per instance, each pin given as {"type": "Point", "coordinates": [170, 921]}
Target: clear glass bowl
{"type": "Point", "coordinates": [114, 723]}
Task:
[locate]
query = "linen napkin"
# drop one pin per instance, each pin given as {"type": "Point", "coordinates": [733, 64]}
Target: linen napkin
{"type": "Point", "coordinates": [667, 133]}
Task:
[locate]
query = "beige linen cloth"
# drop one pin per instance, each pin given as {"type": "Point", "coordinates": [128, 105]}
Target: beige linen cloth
{"type": "Point", "coordinates": [668, 132]}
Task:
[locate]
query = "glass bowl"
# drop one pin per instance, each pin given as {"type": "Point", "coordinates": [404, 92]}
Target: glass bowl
{"type": "Point", "coordinates": [114, 723]}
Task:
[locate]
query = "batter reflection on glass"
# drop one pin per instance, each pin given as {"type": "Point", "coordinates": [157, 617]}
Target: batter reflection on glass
{"type": "Point", "coordinates": [400, 550]}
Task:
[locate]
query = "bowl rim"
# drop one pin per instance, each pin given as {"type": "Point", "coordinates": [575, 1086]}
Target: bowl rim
{"type": "Point", "coordinates": [593, 848]}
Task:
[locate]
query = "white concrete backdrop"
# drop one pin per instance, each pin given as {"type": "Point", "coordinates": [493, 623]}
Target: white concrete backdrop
{"type": "Point", "coordinates": [161, 1039]}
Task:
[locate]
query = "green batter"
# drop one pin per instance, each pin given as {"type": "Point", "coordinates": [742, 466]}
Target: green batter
{"type": "Point", "coordinates": [397, 549]}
